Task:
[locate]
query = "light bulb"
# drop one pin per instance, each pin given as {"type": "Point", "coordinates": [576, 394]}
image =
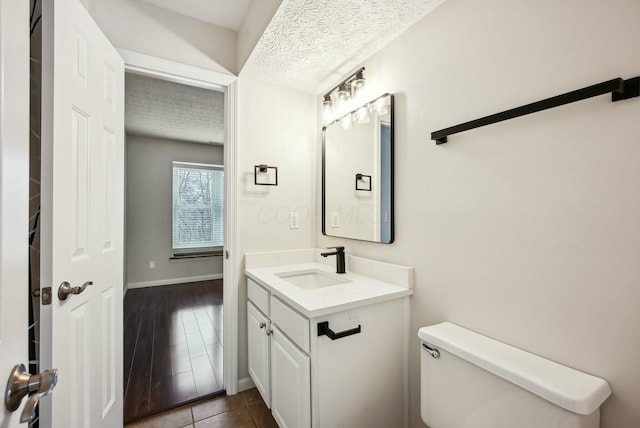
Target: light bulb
{"type": "Point", "coordinates": [343, 92]}
{"type": "Point", "coordinates": [357, 86]}
{"type": "Point", "coordinates": [327, 110]}
{"type": "Point", "coordinates": [342, 99]}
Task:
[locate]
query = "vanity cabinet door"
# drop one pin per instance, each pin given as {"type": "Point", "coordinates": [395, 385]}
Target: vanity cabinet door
{"type": "Point", "coordinates": [291, 383]}
{"type": "Point", "coordinates": [258, 325]}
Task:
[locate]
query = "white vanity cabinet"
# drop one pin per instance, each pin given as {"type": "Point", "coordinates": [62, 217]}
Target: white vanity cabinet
{"type": "Point", "coordinates": [280, 369]}
{"type": "Point", "coordinates": [258, 332]}
{"type": "Point", "coordinates": [258, 335]}
{"type": "Point", "coordinates": [290, 383]}
{"type": "Point", "coordinates": [356, 379]}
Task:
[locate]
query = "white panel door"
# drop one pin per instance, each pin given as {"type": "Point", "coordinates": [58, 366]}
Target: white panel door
{"type": "Point", "coordinates": [14, 192]}
{"type": "Point", "coordinates": [257, 327]}
{"type": "Point", "coordinates": [290, 383]}
{"type": "Point", "coordinates": [82, 211]}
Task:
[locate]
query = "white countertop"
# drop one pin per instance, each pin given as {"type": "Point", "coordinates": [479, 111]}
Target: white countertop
{"type": "Point", "coordinates": [312, 303]}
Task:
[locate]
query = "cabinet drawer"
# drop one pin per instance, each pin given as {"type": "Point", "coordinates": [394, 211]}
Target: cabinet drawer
{"type": "Point", "coordinates": [258, 295]}
{"type": "Point", "coordinates": [291, 323]}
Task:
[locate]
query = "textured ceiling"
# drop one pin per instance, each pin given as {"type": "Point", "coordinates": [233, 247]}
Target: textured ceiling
{"type": "Point", "coordinates": [158, 108]}
{"type": "Point", "coordinates": [308, 45]}
{"type": "Point", "coordinates": [225, 13]}
{"type": "Point", "coordinates": [308, 40]}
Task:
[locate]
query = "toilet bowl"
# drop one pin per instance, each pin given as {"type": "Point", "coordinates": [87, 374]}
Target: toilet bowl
{"type": "Point", "coordinates": [472, 381]}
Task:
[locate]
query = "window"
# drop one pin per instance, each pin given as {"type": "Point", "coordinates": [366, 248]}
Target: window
{"type": "Point", "coordinates": [198, 205]}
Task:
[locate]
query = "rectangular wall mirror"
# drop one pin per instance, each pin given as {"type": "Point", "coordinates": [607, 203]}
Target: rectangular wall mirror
{"type": "Point", "coordinates": [357, 173]}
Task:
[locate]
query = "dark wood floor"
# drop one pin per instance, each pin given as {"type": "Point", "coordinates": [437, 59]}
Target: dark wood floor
{"type": "Point", "coordinates": [172, 346]}
{"type": "Point", "coordinates": [244, 410]}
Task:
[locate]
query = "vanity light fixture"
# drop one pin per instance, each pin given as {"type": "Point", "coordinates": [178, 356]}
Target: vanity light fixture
{"type": "Point", "coordinates": [357, 85]}
{"type": "Point", "coordinates": [342, 97]}
{"type": "Point", "coordinates": [337, 101]}
{"type": "Point", "coordinates": [343, 91]}
{"type": "Point", "coordinates": [327, 109]}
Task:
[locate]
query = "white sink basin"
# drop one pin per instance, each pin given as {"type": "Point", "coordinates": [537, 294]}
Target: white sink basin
{"type": "Point", "coordinates": [312, 278]}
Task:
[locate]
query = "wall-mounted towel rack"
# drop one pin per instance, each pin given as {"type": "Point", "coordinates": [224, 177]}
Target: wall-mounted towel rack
{"type": "Point", "coordinates": [620, 90]}
{"type": "Point", "coordinates": [266, 179]}
{"type": "Point", "coordinates": [363, 182]}
{"type": "Point", "coordinates": [324, 330]}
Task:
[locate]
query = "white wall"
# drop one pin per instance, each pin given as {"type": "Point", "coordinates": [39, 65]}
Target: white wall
{"type": "Point", "coordinates": [525, 231]}
{"type": "Point", "coordinates": [149, 209]}
{"type": "Point", "coordinates": [14, 189]}
{"type": "Point", "coordinates": [276, 126]}
{"type": "Point", "coordinates": [147, 29]}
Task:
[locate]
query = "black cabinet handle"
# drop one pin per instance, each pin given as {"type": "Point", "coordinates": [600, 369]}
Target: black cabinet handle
{"type": "Point", "coordinates": [324, 330]}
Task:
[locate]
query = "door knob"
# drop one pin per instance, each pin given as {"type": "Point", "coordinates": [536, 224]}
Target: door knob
{"type": "Point", "coordinates": [65, 289]}
{"type": "Point", "coordinates": [22, 383]}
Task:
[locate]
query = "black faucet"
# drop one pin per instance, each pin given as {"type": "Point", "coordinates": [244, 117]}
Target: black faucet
{"type": "Point", "coordinates": [339, 253]}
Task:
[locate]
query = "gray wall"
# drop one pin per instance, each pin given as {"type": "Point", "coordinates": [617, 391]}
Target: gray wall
{"type": "Point", "coordinates": [148, 209]}
{"type": "Point", "coordinates": [525, 231]}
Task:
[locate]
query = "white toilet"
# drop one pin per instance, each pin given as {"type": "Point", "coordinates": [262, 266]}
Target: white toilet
{"type": "Point", "coordinates": [471, 381]}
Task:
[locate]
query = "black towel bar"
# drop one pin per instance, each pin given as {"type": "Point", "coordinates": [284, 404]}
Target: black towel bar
{"type": "Point", "coordinates": [324, 330]}
{"type": "Point", "coordinates": [620, 90]}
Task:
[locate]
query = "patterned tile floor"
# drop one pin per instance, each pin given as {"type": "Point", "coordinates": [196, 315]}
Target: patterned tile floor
{"type": "Point", "coordinates": [244, 410]}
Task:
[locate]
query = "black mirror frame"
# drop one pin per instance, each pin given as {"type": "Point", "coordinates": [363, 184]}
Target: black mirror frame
{"type": "Point", "coordinates": [391, 169]}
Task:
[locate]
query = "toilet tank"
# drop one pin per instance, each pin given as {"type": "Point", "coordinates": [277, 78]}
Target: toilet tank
{"type": "Point", "coordinates": [471, 381]}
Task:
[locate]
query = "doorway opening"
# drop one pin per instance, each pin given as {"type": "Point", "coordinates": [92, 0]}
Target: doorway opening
{"type": "Point", "coordinates": [174, 239]}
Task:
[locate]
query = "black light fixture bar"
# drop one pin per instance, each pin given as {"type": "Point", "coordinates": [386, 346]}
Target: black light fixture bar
{"type": "Point", "coordinates": [620, 90]}
{"type": "Point", "coordinates": [351, 77]}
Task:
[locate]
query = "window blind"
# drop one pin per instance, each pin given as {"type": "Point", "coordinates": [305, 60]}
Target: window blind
{"type": "Point", "coordinates": [198, 205]}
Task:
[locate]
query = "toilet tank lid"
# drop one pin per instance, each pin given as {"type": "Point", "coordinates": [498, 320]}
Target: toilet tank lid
{"type": "Point", "coordinates": [563, 386]}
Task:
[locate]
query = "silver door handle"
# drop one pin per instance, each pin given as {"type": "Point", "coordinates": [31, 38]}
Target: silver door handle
{"type": "Point", "coordinates": [262, 325]}
{"type": "Point", "coordinates": [65, 289]}
{"type": "Point", "coordinates": [22, 383]}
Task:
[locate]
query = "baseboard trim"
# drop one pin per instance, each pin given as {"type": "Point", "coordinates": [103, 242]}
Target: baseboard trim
{"type": "Point", "coordinates": [245, 383]}
{"type": "Point", "coordinates": [171, 281]}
